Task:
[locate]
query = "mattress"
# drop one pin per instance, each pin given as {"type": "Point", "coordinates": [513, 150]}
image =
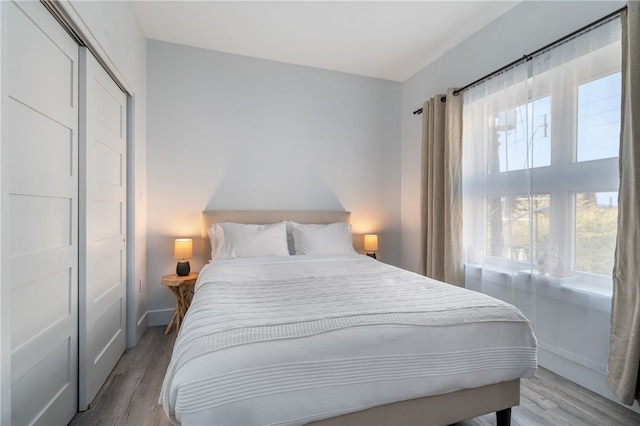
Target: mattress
{"type": "Point", "coordinates": [289, 340]}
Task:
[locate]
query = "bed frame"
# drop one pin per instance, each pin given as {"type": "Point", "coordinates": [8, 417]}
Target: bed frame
{"type": "Point", "coordinates": [442, 409]}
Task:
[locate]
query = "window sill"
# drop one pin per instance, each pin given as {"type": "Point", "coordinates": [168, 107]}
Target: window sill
{"type": "Point", "coordinates": [580, 284]}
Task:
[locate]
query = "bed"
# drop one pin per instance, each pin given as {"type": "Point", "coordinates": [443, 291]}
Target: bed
{"type": "Point", "coordinates": [336, 338]}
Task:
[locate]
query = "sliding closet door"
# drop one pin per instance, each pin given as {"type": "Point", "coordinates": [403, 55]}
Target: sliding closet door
{"type": "Point", "coordinates": [39, 150]}
{"type": "Point", "coordinates": [102, 226]}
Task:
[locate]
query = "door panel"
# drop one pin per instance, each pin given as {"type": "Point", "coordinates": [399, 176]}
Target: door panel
{"type": "Point", "coordinates": [31, 390]}
{"type": "Point", "coordinates": [31, 155]}
{"type": "Point", "coordinates": [41, 142]}
{"type": "Point", "coordinates": [50, 294]}
{"type": "Point", "coordinates": [45, 76]}
{"type": "Point", "coordinates": [41, 223]}
{"type": "Point", "coordinates": [102, 227]}
{"type": "Point", "coordinates": [107, 220]}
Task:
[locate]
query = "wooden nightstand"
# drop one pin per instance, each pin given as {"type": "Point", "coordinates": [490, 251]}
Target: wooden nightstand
{"type": "Point", "coordinates": [182, 288]}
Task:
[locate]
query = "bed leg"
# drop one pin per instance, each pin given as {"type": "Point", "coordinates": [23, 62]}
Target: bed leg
{"type": "Point", "coordinates": [503, 417]}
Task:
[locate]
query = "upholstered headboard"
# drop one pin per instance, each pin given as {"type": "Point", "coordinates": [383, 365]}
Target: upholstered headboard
{"type": "Point", "coordinates": [264, 216]}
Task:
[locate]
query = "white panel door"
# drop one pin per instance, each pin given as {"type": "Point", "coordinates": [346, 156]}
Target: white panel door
{"type": "Point", "coordinates": [102, 226]}
{"type": "Point", "coordinates": [40, 140]}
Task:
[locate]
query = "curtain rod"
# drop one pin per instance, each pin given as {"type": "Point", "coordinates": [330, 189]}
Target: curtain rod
{"type": "Point", "coordinates": [529, 56]}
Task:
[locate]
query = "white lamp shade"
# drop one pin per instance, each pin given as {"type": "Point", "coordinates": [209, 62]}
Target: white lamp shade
{"type": "Point", "coordinates": [370, 242]}
{"type": "Point", "coordinates": [183, 248]}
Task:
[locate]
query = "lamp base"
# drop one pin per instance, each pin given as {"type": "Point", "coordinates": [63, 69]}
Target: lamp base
{"type": "Point", "coordinates": [372, 254]}
{"type": "Point", "coordinates": [183, 269]}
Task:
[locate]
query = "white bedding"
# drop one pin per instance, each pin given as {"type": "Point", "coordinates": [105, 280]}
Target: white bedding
{"type": "Point", "coordinates": [292, 339]}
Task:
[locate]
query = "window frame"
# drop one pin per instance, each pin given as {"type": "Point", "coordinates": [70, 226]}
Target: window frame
{"type": "Point", "coordinates": [578, 176]}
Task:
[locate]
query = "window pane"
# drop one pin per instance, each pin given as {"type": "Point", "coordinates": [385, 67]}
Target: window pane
{"type": "Point", "coordinates": [596, 227]}
{"type": "Point", "coordinates": [523, 136]}
{"type": "Point", "coordinates": [516, 223]}
{"type": "Point", "coordinates": [599, 118]}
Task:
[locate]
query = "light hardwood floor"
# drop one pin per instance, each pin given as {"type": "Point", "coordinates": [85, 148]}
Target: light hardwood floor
{"type": "Point", "coordinates": [130, 395]}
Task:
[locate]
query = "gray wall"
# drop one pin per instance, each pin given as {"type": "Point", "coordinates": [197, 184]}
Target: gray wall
{"type": "Point", "coordinates": [522, 30]}
{"type": "Point", "coordinates": [230, 132]}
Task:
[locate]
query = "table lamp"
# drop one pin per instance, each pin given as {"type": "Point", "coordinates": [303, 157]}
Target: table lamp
{"type": "Point", "coordinates": [371, 245]}
{"type": "Point", "coordinates": [183, 251]}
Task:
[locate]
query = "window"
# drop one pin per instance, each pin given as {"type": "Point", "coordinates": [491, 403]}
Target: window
{"type": "Point", "coordinates": [599, 118]}
{"type": "Point", "coordinates": [517, 226]}
{"type": "Point", "coordinates": [540, 148]}
{"type": "Point", "coordinates": [595, 234]}
{"type": "Point", "coordinates": [518, 130]}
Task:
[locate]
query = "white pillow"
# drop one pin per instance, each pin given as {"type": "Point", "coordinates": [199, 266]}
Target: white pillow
{"type": "Point", "coordinates": [235, 240]}
{"type": "Point", "coordinates": [332, 239]}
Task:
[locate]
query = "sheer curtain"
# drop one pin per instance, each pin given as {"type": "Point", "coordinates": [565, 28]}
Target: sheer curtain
{"type": "Point", "coordinates": [441, 201]}
{"type": "Point", "coordinates": [540, 181]}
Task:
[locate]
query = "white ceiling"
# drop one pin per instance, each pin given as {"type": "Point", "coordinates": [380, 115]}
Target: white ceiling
{"type": "Point", "coordinates": [384, 39]}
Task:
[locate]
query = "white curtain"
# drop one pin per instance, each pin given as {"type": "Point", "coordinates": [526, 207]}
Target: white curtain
{"type": "Point", "coordinates": [624, 356]}
{"type": "Point", "coordinates": [441, 254]}
{"type": "Point", "coordinates": [540, 181]}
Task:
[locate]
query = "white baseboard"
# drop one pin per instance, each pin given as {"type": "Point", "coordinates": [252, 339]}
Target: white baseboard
{"type": "Point", "coordinates": [584, 376]}
{"type": "Point", "coordinates": [141, 327]}
{"type": "Point", "coordinates": [143, 320]}
{"type": "Point", "coordinates": [138, 331]}
{"type": "Point", "coordinates": [159, 317]}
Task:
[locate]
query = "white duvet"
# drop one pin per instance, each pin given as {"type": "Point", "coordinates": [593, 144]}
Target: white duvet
{"type": "Point", "coordinates": [289, 340]}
